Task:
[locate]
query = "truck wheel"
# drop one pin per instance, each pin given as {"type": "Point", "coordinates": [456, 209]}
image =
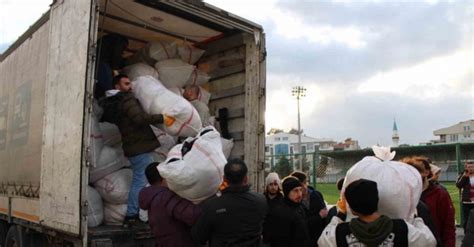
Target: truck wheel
{"type": "Point", "coordinates": [15, 237]}
{"type": "Point", "coordinates": [3, 232]}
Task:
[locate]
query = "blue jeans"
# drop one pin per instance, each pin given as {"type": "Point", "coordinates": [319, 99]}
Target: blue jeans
{"type": "Point", "coordinates": [139, 164]}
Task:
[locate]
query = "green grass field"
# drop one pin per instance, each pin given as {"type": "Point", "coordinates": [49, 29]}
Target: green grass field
{"type": "Point", "coordinates": [331, 194]}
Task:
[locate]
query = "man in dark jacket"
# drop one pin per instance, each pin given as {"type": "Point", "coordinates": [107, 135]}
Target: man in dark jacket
{"type": "Point", "coordinates": [465, 183]}
{"type": "Point", "coordinates": [138, 140]}
{"type": "Point", "coordinates": [272, 190]}
{"type": "Point", "coordinates": [285, 225]}
{"type": "Point", "coordinates": [109, 50]}
{"type": "Point", "coordinates": [236, 217]}
{"type": "Point", "coordinates": [170, 216]}
{"type": "Point", "coordinates": [316, 211]}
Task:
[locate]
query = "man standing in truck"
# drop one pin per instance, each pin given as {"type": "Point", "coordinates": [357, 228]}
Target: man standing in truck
{"type": "Point", "coordinates": [138, 140]}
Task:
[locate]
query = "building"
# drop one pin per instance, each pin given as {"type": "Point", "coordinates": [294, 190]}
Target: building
{"type": "Point", "coordinates": [348, 144]}
{"type": "Point", "coordinates": [395, 137]}
{"type": "Point", "coordinates": [461, 132]}
{"type": "Point", "coordinates": [283, 143]}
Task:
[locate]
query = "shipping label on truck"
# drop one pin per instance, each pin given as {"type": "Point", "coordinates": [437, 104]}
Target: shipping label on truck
{"type": "Point", "coordinates": [46, 105]}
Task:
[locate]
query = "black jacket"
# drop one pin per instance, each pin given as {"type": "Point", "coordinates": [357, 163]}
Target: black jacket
{"type": "Point", "coordinates": [424, 212]}
{"type": "Point", "coordinates": [124, 110]}
{"type": "Point", "coordinates": [286, 226]}
{"type": "Point", "coordinates": [278, 199]}
{"type": "Point", "coordinates": [316, 224]}
{"type": "Point", "coordinates": [233, 219]}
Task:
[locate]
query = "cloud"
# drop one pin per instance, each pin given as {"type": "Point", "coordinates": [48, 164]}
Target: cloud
{"type": "Point", "coordinates": [427, 80]}
{"type": "Point", "coordinates": [394, 35]}
{"type": "Point", "coordinates": [369, 117]}
{"type": "Point", "coordinates": [365, 63]}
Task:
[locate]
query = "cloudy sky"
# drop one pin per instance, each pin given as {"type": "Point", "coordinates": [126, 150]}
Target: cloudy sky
{"type": "Point", "coordinates": [363, 63]}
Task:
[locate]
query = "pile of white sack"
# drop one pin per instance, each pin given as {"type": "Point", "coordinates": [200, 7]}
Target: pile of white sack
{"type": "Point", "coordinates": [109, 175]}
{"type": "Point", "coordinates": [161, 72]}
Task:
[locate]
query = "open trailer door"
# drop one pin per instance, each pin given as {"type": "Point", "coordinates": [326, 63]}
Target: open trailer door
{"type": "Point", "coordinates": [60, 194]}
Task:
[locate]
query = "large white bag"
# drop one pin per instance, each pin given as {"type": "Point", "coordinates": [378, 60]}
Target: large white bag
{"type": "Point", "coordinates": [114, 188]}
{"type": "Point", "coordinates": [227, 146]}
{"type": "Point", "coordinates": [114, 214]}
{"type": "Point", "coordinates": [167, 142]}
{"type": "Point", "coordinates": [110, 160]}
{"type": "Point", "coordinates": [204, 96]}
{"type": "Point", "coordinates": [97, 141]}
{"type": "Point", "coordinates": [203, 111]}
{"type": "Point", "coordinates": [198, 77]}
{"type": "Point", "coordinates": [399, 184]}
{"type": "Point", "coordinates": [174, 72]}
{"type": "Point", "coordinates": [189, 54]}
{"type": "Point", "coordinates": [166, 102]}
{"type": "Point", "coordinates": [110, 134]}
{"type": "Point", "coordinates": [95, 208]}
{"type": "Point", "coordinates": [140, 69]}
{"type": "Point", "coordinates": [161, 50]}
{"type": "Point", "coordinates": [196, 174]}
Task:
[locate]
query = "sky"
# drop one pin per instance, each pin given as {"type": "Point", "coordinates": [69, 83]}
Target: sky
{"type": "Point", "coordinates": [363, 63]}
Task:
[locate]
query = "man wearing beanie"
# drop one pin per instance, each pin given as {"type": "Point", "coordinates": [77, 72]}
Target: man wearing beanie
{"type": "Point", "coordinates": [315, 208]}
{"type": "Point", "coordinates": [272, 190]}
{"type": "Point", "coordinates": [285, 224]}
{"type": "Point", "coordinates": [371, 228]}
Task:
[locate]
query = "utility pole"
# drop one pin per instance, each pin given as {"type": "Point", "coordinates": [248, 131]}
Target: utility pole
{"type": "Point", "coordinates": [299, 92]}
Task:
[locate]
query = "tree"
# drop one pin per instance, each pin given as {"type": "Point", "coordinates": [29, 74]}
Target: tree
{"type": "Point", "coordinates": [295, 131]}
{"type": "Point", "coordinates": [273, 131]}
{"type": "Point", "coordinates": [283, 167]}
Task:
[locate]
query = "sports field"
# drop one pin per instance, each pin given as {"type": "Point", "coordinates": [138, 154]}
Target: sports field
{"type": "Point", "coordinates": [331, 194]}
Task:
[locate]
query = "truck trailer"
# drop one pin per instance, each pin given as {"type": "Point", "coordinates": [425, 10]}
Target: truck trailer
{"type": "Point", "coordinates": [47, 79]}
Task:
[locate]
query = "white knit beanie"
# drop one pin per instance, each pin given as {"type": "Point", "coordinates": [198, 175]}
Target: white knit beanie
{"type": "Point", "coordinates": [272, 177]}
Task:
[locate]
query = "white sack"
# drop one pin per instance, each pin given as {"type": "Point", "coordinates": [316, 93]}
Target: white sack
{"type": "Point", "coordinates": [198, 174]}
{"type": "Point", "coordinates": [399, 184]}
{"type": "Point", "coordinates": [97, 141]}
{"type": "Point", "coordinates": [141, 56]}
{"type": "Point", "coordinates": [189, 54]}
{"type": "Point", "coordinates": [166, 141]}
{"type": "Point", "coordinates": [161, 50]}
{"type": "Point", "coordinates": [204, 96]}
{"type": "Point", "coordinates": [166, 102]}
{"type": "Point", "coordinates": [177, 90]}
{"type": "Point", "coordinates": [110, 160]}
{"type": "Point", "coordinates": [110, 134]}
{"type": "Point", "coordinates": [95, 208]}
{"type": "Point", "coordinates": [114, 214]}
{"type": "Point", "coordinates": [174, 72]}
{"type": "Point", "coordinates": [146, 89]}
{"type": "Point", "coordinates": [203, 111]}
{"type": "Point", "coordinates": [140, 69]}
{"type": "Point", "coordinates": [227, 146]}
{"type": "Point", "coordinates": [114, 188]}
{"type": "Point", "coordinates": [198, 77]}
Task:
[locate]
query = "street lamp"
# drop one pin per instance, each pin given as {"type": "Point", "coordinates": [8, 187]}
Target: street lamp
{"type": "Point", "coordinates": [299, 92]}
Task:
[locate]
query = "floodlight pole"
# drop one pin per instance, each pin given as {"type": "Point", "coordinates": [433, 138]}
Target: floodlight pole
{"type": "Point", "coordinates": [299, 92]}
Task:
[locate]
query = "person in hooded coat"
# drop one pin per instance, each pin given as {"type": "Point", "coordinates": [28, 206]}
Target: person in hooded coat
{"type": "Point", "coordinates": [170, 216]}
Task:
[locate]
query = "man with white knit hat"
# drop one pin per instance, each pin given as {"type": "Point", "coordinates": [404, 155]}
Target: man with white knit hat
{"type": "Point", "coordinates": [272, 189]}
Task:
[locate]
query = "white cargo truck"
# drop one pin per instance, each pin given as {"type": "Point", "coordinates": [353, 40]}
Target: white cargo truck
{"type": "Point", "coordinates": [46, 95]}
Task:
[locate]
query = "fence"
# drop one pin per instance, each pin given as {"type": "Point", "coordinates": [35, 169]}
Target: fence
{"type": "Point", "coordinates": [324, 169]}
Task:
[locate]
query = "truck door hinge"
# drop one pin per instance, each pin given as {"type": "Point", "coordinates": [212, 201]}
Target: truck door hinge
{"type": "Point", "coordinates": [85, 205]}
{"type": "Point", "coordinates": [261, 129]}
{"type": "Point", "coordinates": [261, 92]}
